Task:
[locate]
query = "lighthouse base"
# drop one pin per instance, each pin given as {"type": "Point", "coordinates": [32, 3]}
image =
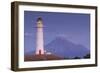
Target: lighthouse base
{"type": "Point", "coordinates": [39, 52]}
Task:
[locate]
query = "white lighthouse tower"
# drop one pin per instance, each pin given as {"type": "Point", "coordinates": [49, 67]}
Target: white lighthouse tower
{"type": "Point", "coordinates": [39, 37]}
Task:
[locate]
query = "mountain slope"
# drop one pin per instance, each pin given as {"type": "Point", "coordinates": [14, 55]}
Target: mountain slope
{"type": "Point", "coordinates": [65, 48]}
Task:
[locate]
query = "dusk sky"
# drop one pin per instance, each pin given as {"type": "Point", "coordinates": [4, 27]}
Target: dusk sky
{"type": "Point", "coordinates": [74, 27]}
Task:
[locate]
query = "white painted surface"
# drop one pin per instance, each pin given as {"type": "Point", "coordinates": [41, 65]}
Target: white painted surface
{"type": "Point", "coordinates": [39, 40]}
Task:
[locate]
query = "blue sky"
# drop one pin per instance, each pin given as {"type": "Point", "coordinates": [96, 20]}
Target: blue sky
{"type": "Point", "coordinates": [72, 26]}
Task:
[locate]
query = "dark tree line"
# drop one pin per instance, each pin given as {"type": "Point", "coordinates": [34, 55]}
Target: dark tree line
{"type": "Point", "coordinates": [84, 57]}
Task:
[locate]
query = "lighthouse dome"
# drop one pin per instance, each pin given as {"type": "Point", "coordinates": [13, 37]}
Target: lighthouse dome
{"type": "Point", "coordinates": [39, 22]}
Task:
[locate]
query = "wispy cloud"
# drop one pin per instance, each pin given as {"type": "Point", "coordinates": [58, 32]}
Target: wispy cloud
{"type": "Point", "coordinates": [62, 35]}
{"type": "Point", "coordinates": [27, 34]}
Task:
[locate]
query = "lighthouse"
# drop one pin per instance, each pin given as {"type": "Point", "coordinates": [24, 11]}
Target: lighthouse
{"type": "Point", "coordinates": [39, 37]}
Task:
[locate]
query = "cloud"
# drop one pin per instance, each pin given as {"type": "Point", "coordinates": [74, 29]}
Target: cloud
{"type": "Point", "coordinates": [27, 34]}
{"type": "Point", "coordinates": [62, 35]}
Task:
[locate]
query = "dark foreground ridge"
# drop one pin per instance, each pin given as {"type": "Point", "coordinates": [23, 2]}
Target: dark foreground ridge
{"type": "Point", "coordinates": [41, 57]}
